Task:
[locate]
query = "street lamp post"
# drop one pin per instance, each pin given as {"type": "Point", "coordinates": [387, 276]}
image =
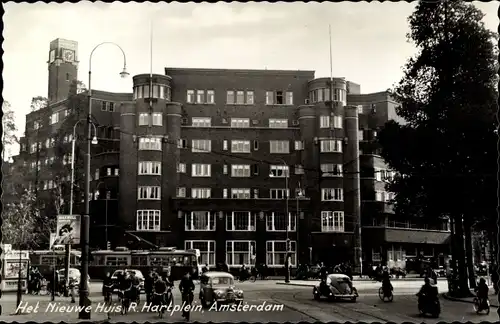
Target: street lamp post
{"type": "Point", "coordinates": [299, 195]}
{"type": "Point", "coordinates": [287, 221]}
{"type": "Point", "coordinates": [84, 234]}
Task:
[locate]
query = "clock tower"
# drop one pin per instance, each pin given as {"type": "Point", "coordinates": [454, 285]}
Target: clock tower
{"type": "Point", "coordinates": [63, 68]}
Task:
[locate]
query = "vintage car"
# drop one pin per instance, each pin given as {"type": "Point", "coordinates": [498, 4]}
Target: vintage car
{"type": "Point", "coordinates": [336, 286]}
{"type": "Point", "coordinates": [218, 287]}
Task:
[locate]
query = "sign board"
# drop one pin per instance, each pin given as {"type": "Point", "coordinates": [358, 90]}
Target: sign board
{"type": "Point", "coordinates": [68, 229]}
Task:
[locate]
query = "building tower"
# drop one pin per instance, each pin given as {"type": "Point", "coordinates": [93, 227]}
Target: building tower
{"type": "Point", "coordinates": [63, 68]}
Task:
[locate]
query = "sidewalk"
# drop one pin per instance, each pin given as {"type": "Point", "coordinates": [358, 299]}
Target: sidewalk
{"type": "Point", "coordinates": [313, 282]}
{"type": "Point", "coordinates": [493, 298]}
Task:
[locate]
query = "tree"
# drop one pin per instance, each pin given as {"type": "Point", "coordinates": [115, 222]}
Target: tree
{"type": "Point", "coordinates": [446, 151]}
{"type": "Point", "coordinates": [9, 137]}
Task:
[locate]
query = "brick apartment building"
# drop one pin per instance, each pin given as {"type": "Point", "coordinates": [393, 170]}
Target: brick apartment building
{"type": "Point", "coordinates": [199, 158]}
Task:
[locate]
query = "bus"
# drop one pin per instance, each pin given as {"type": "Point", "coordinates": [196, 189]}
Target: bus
{"type": "Point", "coordinates": [11, 262]}
{"type": "Point", "coordinates": [48, 260]}
{"type": "Point", "coordinates": [179, 261]}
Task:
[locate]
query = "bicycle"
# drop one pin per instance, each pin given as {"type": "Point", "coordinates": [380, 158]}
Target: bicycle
{"type": "Point", "coordinates": [108, 298]}
{"type": "Point", "coordinates": [188, 298]}
{"type": "Point", "coordinates": [481, 305]}
{"type": "Point", "coordinates": [125, 300]}
{"type": "Point", "coordinates": [383, 295]}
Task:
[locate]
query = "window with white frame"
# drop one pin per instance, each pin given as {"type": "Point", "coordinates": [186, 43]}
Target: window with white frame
{"type": "Point", "coordinates": [279, 147]}
{"type": "Point", "coordinates": [239, 253]}
{"type": "Point", "coordinates": [201, 170]}
{"type": "Point", "coordinates": [277, 222]}
{"type": "Point", "coordinates": [181, 167]}
{"type": "Point", "coordinates": [240, 122]}
{"type": "Point", "coordinates": [360, 109]}
{"type": "Point", "coordinates": [332, 221]}
{"type": "Point", "coordinates": [331, 146]}
{"type": "Point", "coordinates": [299, 145]}
{"type": "Point", "coordinates": [337, 121]}
{"type": "Point", "coordinates": [200, 221]}
{"type": "Point", "coordinates": [331, 170]}
{"type": "Point", "coordinates": [324, 122]}
{"type": "Point", "coordinates": [279, 171]}
{"type": "Point", "coordinates": [143, 119]}
{"type": "Point", "coordinates": [150, 143]}
{"type": "Point", "coordinates": [240, 193]}
{"type": "Point", "coordinates": [149, 192]}
{"type": "Point", "coordinates": [148, 220]}
{"type": "Point", "coordinates": [360, 135]}
{"type": "Point", "coordinates": [278, 193]}
{"type": "Point", "coordinates": [276, 252]}
{"type": "Point", "coordinates": [54, 118]}
{"type": "Point", "coordinates": [180, 192]}
{"type": "Point", "coordinates": [149, 167]}
{"type": "Point", "coordinates": [384, 196]}
{"type": "Point", "coordinates": [240, 146]}
{"type": "Point", "coordinates": [230, 97]}
{"type": "Point", "coordinates": [157, 119]}
{"type": "Point", "coordinates": [332, 194]}
{"type": "Point", "coordinates": [190, 96]}
{"type": "Point", "coordinates": [377, 174]}
{"type": "Point", "coordinates": [250, 98]}
{"type": "Point", "coordinates": [240, 170]}
{"type": "Point", "coordinates": [207, 250]}
{"type": "Point", "coordinates": [200, 96]}
{"type": "Point", "coordinates": [240, 97]}
{"type": "Point", "coordinates": [201, 193]}
{"type": "Point", "coordinates": [210, 96]}
{"type": "Point", "coordinates": [201, 146]}
{"type": "Point", "coordinates": [201, 122]}
{"type": "Point", "coordinates": [278, 123]}
{"type": "Point", "coordinates": [289, 98]}
{"type": "Point", "coordinates": [240, 221]}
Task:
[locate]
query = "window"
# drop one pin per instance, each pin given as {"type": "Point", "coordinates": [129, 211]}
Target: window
{"type": "Point", "coordinates": [200, 221]}
{"type": "Point", "coordinates": [278, 193]}
{"type": "Point", "coordinates": [332, 221]}
{"type": "Point", "coordinates": [377, 174]}
{"type": "Point", "coordinates": [328, 146]}
{"type": "Point", "coordinates": [207, 251]}
{"type": "Point", "coordinates": [332, 194]}
{"type": "Point", "coordinates": [324, 122]}
{"type": "Point", "coordinates": [282, 147]}
{"type": "Point", "coordinates": [279, 97]}
{"type": "Point", "coordinates": [224, 145]}
{"type": "Point", "coordinates": [239, 253]}
{"type": "Point", "coordinates": [240, 170]}
{"type": "Point", "coordinates": [181, 168]}
{"type": "Point", "coordinates": [278, 123]}
{"type": "Point", "coordinates": [96, 175]}
{"type": "Point", "coordinates": [240, 146]}
{"type": "Point", "coordinates": [111, 106]}
{"type": "Point", "coordinates": [224, 169]}
{"type": "Point", "coordinates": [143, 119]}
{"type": "Point", "coordinates": [181, 143]}
{"type": "Point", "coordinates": [201, 122]}
{"type": "Point", "coordinates": [149, 167]}
{"type": "Point", "coordinates": [148, 220]}
{"type": "Point", "coordinates": [289, 98]}
{"type": "Point", "coordinates": [240, 193]}
{"type": "Point", "coordinates": [210, 96]}
{"type": "Point", "coordinates": [109, 171]}
{"type": "Point", "coordinates": [190, 96]}
{"type": "Point", "coordinates": [54, 118]}
{"type": "Point", "coordinates": [201, 146]}
{"type": "Point", "coordinates": [240, 97]}
{"type": "Point", "coordinates": [299, 145]}
{"type": "Point", "coordinates": [230, 97]}
{"type": "Point", "coordinates": [360, 135]}
{"type": "Point", "coordinates": [157, 119]}
{"type": "Point", "coordinates": [240, 122]}
{"type": "Point", "coordinates": [279, 171]}
{"type": "Point", "coordinates": [180, 192]}
{"type": "Point", "coordinates": [149, 192]}
{"type": "Point", "coordinates": [107, 106]}
{"type": "Point", "coordinates": [255, 145]}
{"type": "Point", "coordinates": [117, 172]}
{"type": "Point", "coordinates": [360, 109]}
{"type": "Point", "coordinates": [299, 169]}
{"type": "Point", "coordinates": [201, 170]}
{"type": "Point", "coordinates": [276, 222]}
{"type": "Point", "coordinates": [240, 221]}
{"type": "Point", "coordinates": [250, 98]}
{"type": "Point", "coordinates": [384, 196]}
{"type": "Point", "coordinates": [201, 193]}
{"type": "Point", "coordinates": [320, 94]}
{"type": "Point", "coordinates": [256, 194]}
{"type": "Point", "coordinates": [200, 96]}
{"type": "Point", "coordinates": [331, 170]}
{"type": "Point", "coordinates": [150, 143]}
{"type": "Point", "coordinates": [276, 252]}
{"type": "Point", "coordinates": [269, 98]}
{"type": "Point", "coordinates": [337, 121]}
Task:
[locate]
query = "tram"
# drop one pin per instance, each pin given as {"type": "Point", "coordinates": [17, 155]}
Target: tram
{"type": "Point", "coordinates": [47, 260]}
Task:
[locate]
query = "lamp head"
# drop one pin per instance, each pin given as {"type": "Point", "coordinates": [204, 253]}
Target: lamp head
{"type": "Point", "coordinates": [124, 73]}
{"type": "Point", "coordinates": [94, 140]}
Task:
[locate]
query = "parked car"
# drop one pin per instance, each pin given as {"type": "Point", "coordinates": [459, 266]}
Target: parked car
{"type": "Point", "coordinates": [336, 286]}
{"type": "Point", "coordinates": [218, 287]}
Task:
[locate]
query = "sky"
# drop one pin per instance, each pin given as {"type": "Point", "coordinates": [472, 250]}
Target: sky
{"type": "Point", "coordinates": [369, 43]}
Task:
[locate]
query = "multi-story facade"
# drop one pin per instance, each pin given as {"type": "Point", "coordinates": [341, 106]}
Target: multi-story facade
{"type": "Point", "coordinates": [204, 158]}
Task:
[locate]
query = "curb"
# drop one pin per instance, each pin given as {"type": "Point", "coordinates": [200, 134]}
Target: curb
{"type": "Point", "coordinates": [295, 284]}
{"type": "Point", "coordinates": [447, 297]}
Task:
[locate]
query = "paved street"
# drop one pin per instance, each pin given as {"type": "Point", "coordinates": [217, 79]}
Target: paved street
{"type": "Point", "coordinates": [298, 305]}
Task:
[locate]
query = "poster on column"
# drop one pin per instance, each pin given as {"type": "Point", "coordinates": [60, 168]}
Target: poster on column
{"type": "Point", "coordinates": [68, 229]}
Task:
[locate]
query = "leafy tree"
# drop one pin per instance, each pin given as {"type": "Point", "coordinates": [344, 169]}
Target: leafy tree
{"type": "Point", "coordinates": [446, 152]}
{"type": "Point", "coordinates": [9, 137]}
